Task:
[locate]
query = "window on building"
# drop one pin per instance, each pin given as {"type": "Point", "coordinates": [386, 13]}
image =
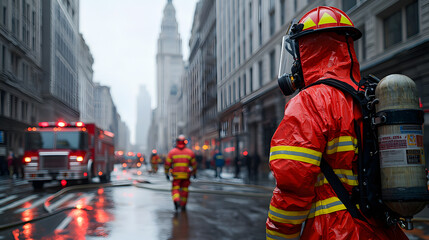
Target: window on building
{"type": "Point", "coordinates": [244, 84]}
{"type": "Point", "coordinates": [295, 5]}
{"type": "Point", "coordinates": [360, 45]}
{"type": "Point", "coordinates": [234, 92]}
{"type": "Point", "coordinates": [272, 18]}
{"type": "Point", "coordinates": [4, 16]}
{"type": "Point", "coordinates": [14, 63]}
{"type": "Point", "coordinates": [239, 87]}
{"type": "Point", "coordinates": [348, 4]}
{"type": "Point", "coordinates": [3, 57]}
{"type": "Point", "coordinates": [244, 50]}
{"type": "Point", "coordinates": [2, 102]}
{"type": "Point", "coordinates": [401, 24]}
{"type": "Point", "coordinates": [393, 29]}
{"type": "Point", "coordinates": [273, 64]}
{"type": "Point", "coordinates": [250, 43]}
{"type": "Point", "coordinates": [282, 12]}
{"type": "Point", "coordinates": [261, 75]}
{"type": "Point", "coordinates": [230, 95]}
{"type": "Point", "coordinates": [250, 12]}
{"type": "Point", "coordinates": [260, 21]}
{"type": "Point", "coordinates": [412, 19]}
{"type": "Point", "coordinates": [251, 80]}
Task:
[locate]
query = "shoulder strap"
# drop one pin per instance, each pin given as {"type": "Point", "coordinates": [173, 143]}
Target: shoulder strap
{"type": "Point", "coordinates": [340, 190]}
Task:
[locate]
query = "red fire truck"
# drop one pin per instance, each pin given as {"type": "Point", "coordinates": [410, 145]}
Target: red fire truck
{"type": "Point", "coordinates": [67, 152]}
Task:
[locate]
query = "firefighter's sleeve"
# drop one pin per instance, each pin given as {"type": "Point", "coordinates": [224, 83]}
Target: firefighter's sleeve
{"type": "Point", "coordinates": [193, 164]}
{"type": "Point", "coordinates": [295, 154]}
{"type": "Point", "coordinates": [167, 164]}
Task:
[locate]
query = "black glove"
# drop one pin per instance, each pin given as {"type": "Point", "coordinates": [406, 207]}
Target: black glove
{"type": "Point", "coordinates": [195, 176]}
{"type": "Point", "coordinates": [167, 176]}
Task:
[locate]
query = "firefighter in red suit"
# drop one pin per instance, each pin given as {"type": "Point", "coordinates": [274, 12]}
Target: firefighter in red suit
{"type": "Point", "coordinates": [154, 160]}
{"type": "Point", "coordinates": [182, 165]}
{"type": "Point", "coordinates": [318, 122]}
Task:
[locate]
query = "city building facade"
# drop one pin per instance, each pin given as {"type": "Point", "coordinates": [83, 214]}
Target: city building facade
{"type": "Point", "coordinates": [144, 118]}
{"type": "Point", "coordinates": [20, 71]}
{"type": "Point", "coordinates": [201, 87]}
{"type": "Point", "coordinates": [86, 84]}
{"type": "Point", "coordinates": [169, 62]}
{"type": "Point", "coordinates": [194, 85]}
{"type": "Point", "coordinates": [105, 114]}
{"type": "Point", "coordinates": [60, 37]}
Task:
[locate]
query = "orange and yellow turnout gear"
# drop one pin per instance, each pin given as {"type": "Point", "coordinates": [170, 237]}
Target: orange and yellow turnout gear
{"type": "Point", "coordinates": [154, 160]}
{"type": "Point", "coordinates": [319, 122]}
{"type": "Point", "coordinates": [182, 165]}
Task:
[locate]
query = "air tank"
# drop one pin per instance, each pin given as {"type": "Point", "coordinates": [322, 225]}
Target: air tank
{"type": "Point", "coordinates": [400, 138]}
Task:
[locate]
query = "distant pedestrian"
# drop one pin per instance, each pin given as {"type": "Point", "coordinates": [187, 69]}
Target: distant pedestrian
{"type": "Point", "coordinates": [248, 161]}
{"type": "Point", "coordinates": [10, 161]}
{"type": "Point", "coordinates": [220, 163]}
{"type": "Point", "coordinates": [3, 161]}
{"type": "Point", "coordinates": [237, 165]}
{"type": "Point", "coordinates": [255, 166]}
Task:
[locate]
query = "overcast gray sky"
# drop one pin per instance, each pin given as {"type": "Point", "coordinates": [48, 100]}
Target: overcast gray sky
{"type": "Point", "coordinates": [122, 36]}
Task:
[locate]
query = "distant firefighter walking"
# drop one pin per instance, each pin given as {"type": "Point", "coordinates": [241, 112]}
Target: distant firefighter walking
{"type": "Point", "coordinates": [182, 165]}
{"type": "Point", "coordinates": [154, 160]}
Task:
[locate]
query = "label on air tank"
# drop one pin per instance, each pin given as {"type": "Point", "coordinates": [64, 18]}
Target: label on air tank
{"type": "Point", "coordinates": [404, 149]}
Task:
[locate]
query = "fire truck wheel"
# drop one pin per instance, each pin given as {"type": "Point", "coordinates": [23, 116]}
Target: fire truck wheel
{"type": "Point", "coordinates": [37, 185]}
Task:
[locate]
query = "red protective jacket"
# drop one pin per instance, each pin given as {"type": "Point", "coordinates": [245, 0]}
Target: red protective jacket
{"type": "Point", "coordinates": [180, 160]}
{"type": "Point", "coordinates": [319, 121]}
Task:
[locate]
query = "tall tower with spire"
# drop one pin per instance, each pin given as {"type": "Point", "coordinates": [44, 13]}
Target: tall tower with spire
{"type": "Point", "coordinates": [169, 64]}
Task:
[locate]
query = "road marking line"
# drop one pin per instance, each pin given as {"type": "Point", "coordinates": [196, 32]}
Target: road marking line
{"type": "Point", "coordinates": [62, 200]}
{"type": "Point", "coordinates": [17, 203]}
{"type": "Point", "coordinates": [7, 199]}
{"type": "Point", "coordinates": [33, 205]}
{"type": "Point", "coordinates": [84, 199]}
{"type": "Point", "coordinates": [21, 183]}
{"type": "Point", "coordinates": [64, 223]}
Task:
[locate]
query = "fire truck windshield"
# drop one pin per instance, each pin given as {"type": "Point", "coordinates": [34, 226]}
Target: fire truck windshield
{"type": "Point", "coordinates": [56, 140]}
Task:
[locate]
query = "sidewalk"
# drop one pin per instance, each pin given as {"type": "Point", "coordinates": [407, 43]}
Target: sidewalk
{"type": "Point", "coordinates": [228, 177]}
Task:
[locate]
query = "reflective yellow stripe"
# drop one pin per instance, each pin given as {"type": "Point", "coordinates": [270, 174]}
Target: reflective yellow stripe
{"type": "Point", "coordinates": [184, 198]}
{"type": "Point", "coordinates": [180, 175]}
{"type": "Point", "coordinates": [326, 206]}
{"type": "Point", "coordinates": [168, 160]}
{"type": "Point", "coordinates": [181, 164]}
{"type": "Point", "coordinates": [270, 234]}
{"type": "Point", "coordinates": [176, 187]}
{"type": "Point", "coordinates": [176, 195]}
{"type": "Point", "coordinates": [345, 176]}
{"type": "Point", "coordinates": [282, 216]}
{"type": "Point", "coordinates": [342, 144]}
{"type": "Point", "coordinates": [181, 156]}
{"type": "Point", "coordinates": [185, 189]}
{"type": "Point", "coordinates": [296, 153]}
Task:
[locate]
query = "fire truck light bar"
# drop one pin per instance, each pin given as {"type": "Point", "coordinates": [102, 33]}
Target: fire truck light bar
{"type": "Point", "coordinates": [110, 134]}
{"type": "Point", "coordinates": [61, 124]}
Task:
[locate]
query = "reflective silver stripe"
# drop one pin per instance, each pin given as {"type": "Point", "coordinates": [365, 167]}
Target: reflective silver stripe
{"type": "Point", "coordinates": [340, 144]}
{"type": "Point", "coordinates": [279, 215]}
{"type": "Point", "coordinates": [301, 154]}
{"type": "Point", "coordinates": [349, 177]}
{"type": "Point", "coordinates": [327, 206]}
{"type": "Point", "coordinates": [280, 238]}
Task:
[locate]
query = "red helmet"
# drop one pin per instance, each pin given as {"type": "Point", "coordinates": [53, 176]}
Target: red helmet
{"type": "Point", "coordinates": [325, 19]}
{"type": "Point", "coordinates": [181, 141]}
{"type": "Point", "coordinates": [319, 19]}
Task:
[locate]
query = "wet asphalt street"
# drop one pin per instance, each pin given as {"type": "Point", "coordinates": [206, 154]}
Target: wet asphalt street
{"type": "Point", "coordinates": [143, 211]}
{"type": "Point", "coordinates": [141, 208]}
